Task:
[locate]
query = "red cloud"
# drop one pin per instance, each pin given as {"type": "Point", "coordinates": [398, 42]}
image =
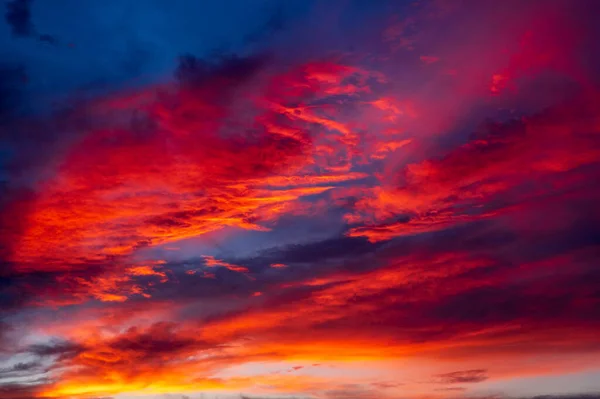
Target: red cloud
{"type": "Point", "coordinates": [457, 253]}
{"type": "Point", "coordinates": [463, 185]}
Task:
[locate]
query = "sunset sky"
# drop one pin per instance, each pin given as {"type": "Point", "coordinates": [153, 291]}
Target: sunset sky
{"type": "Point", "coordinates": [334, 199]}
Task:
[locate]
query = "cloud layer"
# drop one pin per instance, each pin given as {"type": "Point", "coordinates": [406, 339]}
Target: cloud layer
{"type": "Point", "coordinates": [405, 211]}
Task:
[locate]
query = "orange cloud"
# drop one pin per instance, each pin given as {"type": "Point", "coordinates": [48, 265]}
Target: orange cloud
{"type": "Point", "coordinates": [117, 190]}
{"type": "Point", "coordinates": [212, 262]}
{"type": "Point", "coordinates": [428, 258]}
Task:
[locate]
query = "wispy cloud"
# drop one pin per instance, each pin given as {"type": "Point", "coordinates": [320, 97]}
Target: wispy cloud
{"type": "Point", "coordinates": [404, 209]}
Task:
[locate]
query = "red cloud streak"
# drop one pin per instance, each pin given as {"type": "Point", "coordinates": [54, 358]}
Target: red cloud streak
{"type": "Point", "coordinates": [442, 232]}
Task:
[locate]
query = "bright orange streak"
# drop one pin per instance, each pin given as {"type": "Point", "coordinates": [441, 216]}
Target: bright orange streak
{"type": "Point", "coordinates": [212, 262]}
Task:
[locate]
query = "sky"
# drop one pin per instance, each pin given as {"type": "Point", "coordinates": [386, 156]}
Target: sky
{"type": "Point", "coordinates": [342, 199]}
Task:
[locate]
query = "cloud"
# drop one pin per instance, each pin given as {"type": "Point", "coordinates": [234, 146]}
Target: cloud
{"type": "Point", "coordinates": [573, 396]}
{"type": "Point", "coordinates": [158, 350]}
{"type": "Point", "coordinates": [482, 178]}
{"type": "Point", "coordinates": [461, 309]}
{"type": "Point", "coordinates": [463, 377]}
{"type": "Point", "coordinates": [354, 391]}
{"type": "Point", "coordinates": [328, 250]}
{"type": "Point", "coordinates": [192, 71]}
{"type": "Point", "coordinates": [18, 16]}
{"type": "Point", "coordinates": [22, 369]}
{"type": "Point", "coordinates": [19, 390]}
{"type": "Point", "coordinates": [159, 340]}
{"type": "Point", "coordinates": [61, 349]}
{"type": "Point", "coordinates": [221, 176]}
{"type": "Point", "coordinates": [583, 395]}
{"type": "Point", "coordinates": [253, 214]}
